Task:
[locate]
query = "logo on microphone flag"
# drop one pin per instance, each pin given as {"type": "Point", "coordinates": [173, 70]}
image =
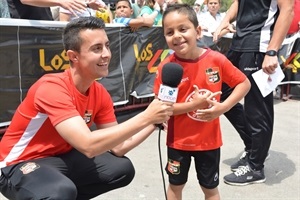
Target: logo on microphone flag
{"type": "Point", "coordinates": [167, 93]}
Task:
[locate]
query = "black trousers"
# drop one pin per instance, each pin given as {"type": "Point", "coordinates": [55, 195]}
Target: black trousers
{"type": "Point", "coordinates": [68, 176]}
{"type": "Point", "coordinates": [254, 122]}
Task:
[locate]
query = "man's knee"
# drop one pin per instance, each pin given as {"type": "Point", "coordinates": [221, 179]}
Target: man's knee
{"type": "Point", "coordinates": [128, 171]}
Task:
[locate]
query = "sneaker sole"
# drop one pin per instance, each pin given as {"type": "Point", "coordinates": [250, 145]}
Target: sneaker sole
{"type": "Point", "coordinates": [247, 183]}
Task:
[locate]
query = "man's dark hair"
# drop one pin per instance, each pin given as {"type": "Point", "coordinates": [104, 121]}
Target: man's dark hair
{"type": "Point", "coordinates": [71, 37]}
{"type": "Point", "coordinates": [185, 9]}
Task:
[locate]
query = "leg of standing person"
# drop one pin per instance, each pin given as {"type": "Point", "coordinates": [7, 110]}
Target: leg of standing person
{"type": "Point", "coordinates": [207, 164]}
{"type": "Point", "coordinates": [260, 116]}
{"type": "Point", "coordinates": [177, 169]}
{"type": "Point", "coordinates": [236, 116]}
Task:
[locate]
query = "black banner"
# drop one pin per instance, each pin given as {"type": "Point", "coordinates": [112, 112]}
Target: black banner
{"type": "Point", "coordinates": [31, 48]}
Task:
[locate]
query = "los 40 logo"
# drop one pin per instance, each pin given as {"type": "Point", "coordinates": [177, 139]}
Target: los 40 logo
{"type": "Point", "coordinates": [58, 62]}
{"type": "Point", "coordinates": [61, 61]}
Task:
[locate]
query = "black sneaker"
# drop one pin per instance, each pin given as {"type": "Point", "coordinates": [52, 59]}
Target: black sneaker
{"type": "Point", "coordinates": [243, 161]}
{"type": "Point", "coordinates": [245, 176]}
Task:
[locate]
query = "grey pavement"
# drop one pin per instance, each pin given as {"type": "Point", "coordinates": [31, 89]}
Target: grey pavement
{"type": "Point", "coordinates": [281, 169]}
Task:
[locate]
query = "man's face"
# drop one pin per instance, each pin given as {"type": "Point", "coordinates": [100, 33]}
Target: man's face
{"type": "Point", "coordinates": [94, 56]}
{"type": "Point", "coordinates": [123, 9]}
{"type": "Point", "coordinates": [213, 6]}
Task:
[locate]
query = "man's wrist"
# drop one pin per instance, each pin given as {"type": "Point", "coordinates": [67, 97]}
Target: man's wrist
{"type": "Point", "coordinates": [271, 53]}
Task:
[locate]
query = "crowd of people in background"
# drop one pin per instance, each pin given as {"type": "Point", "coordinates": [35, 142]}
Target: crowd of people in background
{"type": "Point", "coordinates": [208, 11]}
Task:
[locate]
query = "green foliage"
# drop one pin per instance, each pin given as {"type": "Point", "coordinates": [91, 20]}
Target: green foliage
{"type": "Point", "coordinates": [225, 4]}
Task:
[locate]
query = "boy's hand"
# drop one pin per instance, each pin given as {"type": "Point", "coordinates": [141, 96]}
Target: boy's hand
{"type": "Point", "coordinates": [211, 113]}
{"type": "Point", "coordinates": [201, 97]}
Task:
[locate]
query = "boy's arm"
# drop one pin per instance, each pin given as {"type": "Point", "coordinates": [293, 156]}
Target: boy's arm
{"type": "Point", "coordinates": [218, 108]}
{"type": "Point", "coordinates": [141, 21]}
{"type": "Point", "coordinates": [197, 101]}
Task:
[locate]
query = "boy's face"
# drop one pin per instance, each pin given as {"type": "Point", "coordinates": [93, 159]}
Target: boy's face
{"type": "Point", "coordinates": [123, 9]}
{"type": "Point", "coordinates": [181, 35]}
{"type": "Point", "coordinates": [94, 56]}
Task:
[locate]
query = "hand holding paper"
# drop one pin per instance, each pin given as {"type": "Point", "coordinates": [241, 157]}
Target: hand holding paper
{"type": "Point", "coordinates": [268, 83]}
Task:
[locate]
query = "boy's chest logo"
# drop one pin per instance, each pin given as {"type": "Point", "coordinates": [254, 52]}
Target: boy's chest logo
{"type": "Point", "coordinates": [212, 75]}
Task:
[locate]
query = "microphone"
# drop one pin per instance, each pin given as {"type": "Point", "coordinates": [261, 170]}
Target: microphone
{"type": "Point", "coordinates": [171, 76]}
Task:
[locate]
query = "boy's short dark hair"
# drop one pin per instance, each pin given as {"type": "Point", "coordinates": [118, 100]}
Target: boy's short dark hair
{"type": "Point", "coordinates": [185, 9]}
{"type": "Point", "coordinates": [126, 1]}
{"type": "Point", "coordinates": [71, 37]}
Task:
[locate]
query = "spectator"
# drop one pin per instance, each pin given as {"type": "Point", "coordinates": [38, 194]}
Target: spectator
{"type": "Point", "coordinates": [253, 49]}
{"type": "Point", "coordinates": [123, 13]}
{"type": "Point", "coordinates": [285, 89]}
{"type": "Point", "coordinates": [4, 12]}
{"type": "Point", "coordinates": [136, 7]}
{"type": "Point", "coordinates": [295, 25]}
{"type": "Point", "coordinates": [194, 129]}
{"type": "Point", "coordinates": [210, 20]}
{"type": "Point", "coordinates": [48, 150]}
{"type": "Point", "coordinates": [40, 9]}
{"type": "Point", "coordinates": [153, 8]}
{"type": "Point", "coordinates": [198, 5]}
{"type": "Point", "coordinates": [103, 12]}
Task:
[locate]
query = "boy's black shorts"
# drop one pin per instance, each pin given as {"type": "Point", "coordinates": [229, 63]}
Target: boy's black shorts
{"type": "Point", "coordinates": [206, 164]}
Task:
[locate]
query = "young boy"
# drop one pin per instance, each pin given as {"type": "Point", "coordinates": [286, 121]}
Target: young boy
{"type": "Point", "coordinates": [123, 16]}
{"type": "Point", "coordinates": [194, 128]}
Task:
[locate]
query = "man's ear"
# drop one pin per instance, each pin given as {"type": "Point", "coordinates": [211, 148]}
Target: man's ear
{"type": "Point", "coordinates": [73, 56]}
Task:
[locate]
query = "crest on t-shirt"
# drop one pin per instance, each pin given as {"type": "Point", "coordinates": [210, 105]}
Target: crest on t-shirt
{"type": "Point", "coordinates": [88, 116]}
{"type": "Point", "coordinates": [193, 114]}
{"type": "Point", "coordinates": [29, 167]}
{"type": "Point", "coordinates": [212, 75]}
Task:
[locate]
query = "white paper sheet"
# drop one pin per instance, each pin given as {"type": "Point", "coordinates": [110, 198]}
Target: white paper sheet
{"type": "Point", "coordinates": [268, 83]}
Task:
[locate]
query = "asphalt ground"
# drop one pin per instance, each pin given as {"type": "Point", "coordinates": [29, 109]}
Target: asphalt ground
{"type": "Point", "coordinates": [281, 169]}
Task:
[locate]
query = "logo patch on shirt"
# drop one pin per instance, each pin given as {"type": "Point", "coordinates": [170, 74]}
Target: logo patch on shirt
{"type": "Point", "coordinates": [212, 75]}
{"type": "Point", "coordinates": [173, 167]}
{"type": "Point", "coordinates": [29, 167]}
{"type": "Point", "coordinates": [88, 116]}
